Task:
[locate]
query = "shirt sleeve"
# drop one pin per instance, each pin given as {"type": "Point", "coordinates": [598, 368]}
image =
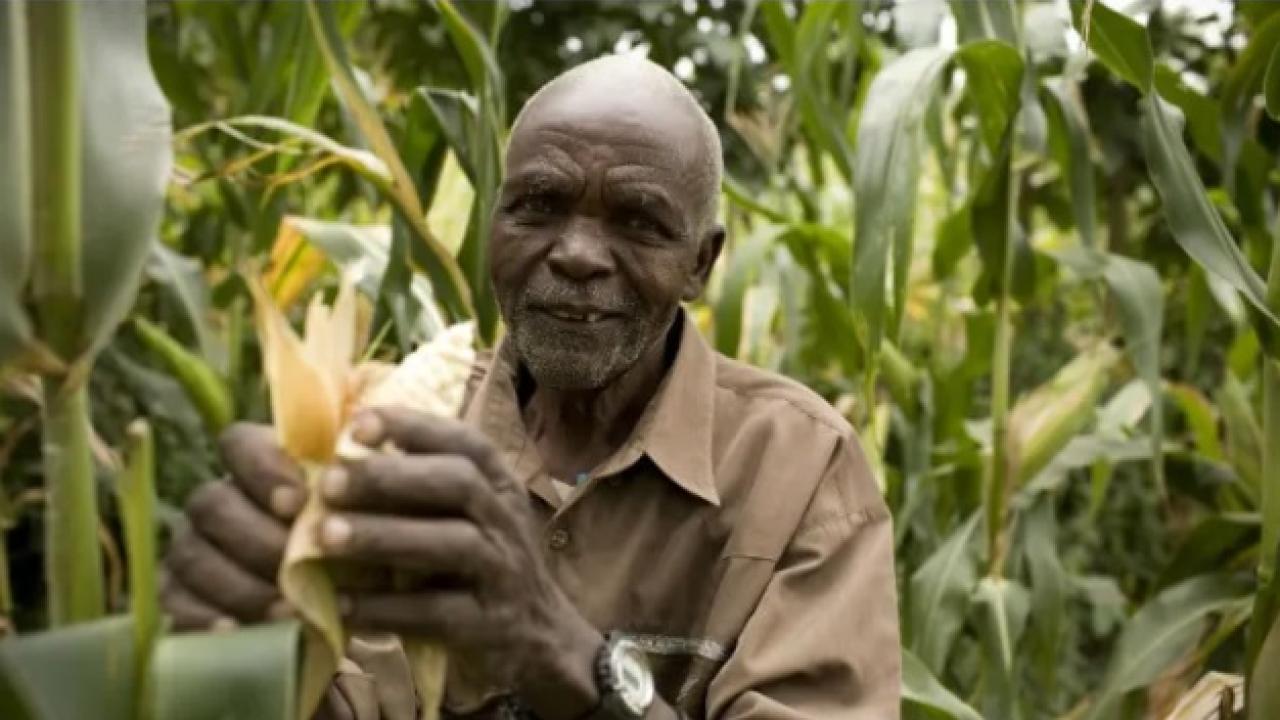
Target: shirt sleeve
{"type": "Point", "coordinates": [823, 640]}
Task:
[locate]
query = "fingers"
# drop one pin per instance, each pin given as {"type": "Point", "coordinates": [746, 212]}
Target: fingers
{"type": "Point", "coordinates": [411, 485]}
{"type": "Point", "coordinates": [190, 612]}
{"type": "Point", "coordinates": [209, 574]}
{"type": "Point", "coordinates": [441, 546]}
{"type": "Point", "coordinates": [225, 517]}
{"type": "Point", "coordinates": [416, 432]}
{"type": "Point", "coordinates": [437, 613]}
{"type": "Point", "coordinates": [262, 469]}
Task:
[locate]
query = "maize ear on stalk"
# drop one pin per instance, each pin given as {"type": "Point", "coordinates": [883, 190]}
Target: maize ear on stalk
{"type": "Point", "coordinates": [315, 387]}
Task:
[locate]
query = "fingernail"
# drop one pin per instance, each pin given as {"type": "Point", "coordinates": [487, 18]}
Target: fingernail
{"type": "Point", "coordinates": [366, 428]}
{"type": "Point", "coordinates": [281, 610]}
{"type": "Point", "coordinates": [223, 624]}
{"type": "Point", "coordinates": [336, 481]}
{"type": "Point", "coordinates": [335, 533]}
{"type": "Point", "coordinates": [286, 501]}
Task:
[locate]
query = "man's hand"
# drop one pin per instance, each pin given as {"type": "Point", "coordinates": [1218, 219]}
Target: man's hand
{"type": "Point", "coordinates": [449, 516]}
{"type": "Point", "coordinates": [221, 569]}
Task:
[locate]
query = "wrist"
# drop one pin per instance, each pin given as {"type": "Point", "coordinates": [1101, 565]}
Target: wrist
{"type": "Point", "coordinates": [558, 682]}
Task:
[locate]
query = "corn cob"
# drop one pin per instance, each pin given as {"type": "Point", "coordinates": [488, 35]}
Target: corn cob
{"type": "Point", "coordinates": [314, 389]}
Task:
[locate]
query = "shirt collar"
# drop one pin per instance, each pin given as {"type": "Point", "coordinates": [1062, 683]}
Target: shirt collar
{"type": "Point", "coordinates": [674, 431]}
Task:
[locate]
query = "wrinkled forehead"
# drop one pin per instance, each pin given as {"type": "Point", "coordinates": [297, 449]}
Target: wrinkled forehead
{"type": "Point", "coordinates": [595, 127]}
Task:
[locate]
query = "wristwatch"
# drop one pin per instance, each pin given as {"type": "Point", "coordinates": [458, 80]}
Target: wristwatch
{"type": "Point", "coordinates": [623, 680]}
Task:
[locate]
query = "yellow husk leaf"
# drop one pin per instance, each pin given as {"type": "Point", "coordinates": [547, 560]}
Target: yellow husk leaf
{"type": "Point", "coordinates": [314, 388]}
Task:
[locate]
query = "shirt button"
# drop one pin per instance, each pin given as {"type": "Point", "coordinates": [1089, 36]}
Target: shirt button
{"type": "Point", "coordinates": [559, 539]}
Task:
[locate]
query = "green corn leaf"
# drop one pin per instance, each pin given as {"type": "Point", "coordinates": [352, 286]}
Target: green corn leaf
{"type": "Point", "coordinates": [993, 71]}
{"type": "Point", "coordinates": [207, 389]}
{"type": "Point", "coordinates": [1162, 632]}
{"type": "Point", "coordinates": [1049, 590]}
{"type": "Point", "coordinates": [939, 595]}
{"type": "Point", "coordinates": [1000, 607]}
{"type": "Point", "coordinates": [126, 156]}
{"type": "Point", "coordinates": [920, 688]}
{"type": "Point", "coordinates": [1211, 546]}
{"type": "Point", "coordinates": [1246, 78]}
{"type": "Point", "coordinates": [452, 290]}
{"type": "Point", "coordinates": [369, 250]}
{"type": "Point", "coordinates": [744, 263]}
{"type": "Point", "coordinates": [83, 671]}
{"type": "Point", "coordinates": [1204, 119]}
{"type": "Point", "coordinates": [886, 173]}
{"type": "Point", "coordinates": [1069, 144]}
{"type": "Point", "coordinates": [987, 20]}
{"type": "Point", "coordinates": [249, 674]}
{"type": "Point", "coordinates": [1119, 42]}
{"type": "Point", "coordinates": [15, 187]}
{"type": "Point", "coordinates": [1201, 418]}
{"type": "Point", "coordinates": [1271, 85]}
{"type": "Point", "coordinates": [1139, 296]}
{"type": "Point", "coordinates": [184, 277]}
{"type": "Point", "coordinates": [1192, 219]}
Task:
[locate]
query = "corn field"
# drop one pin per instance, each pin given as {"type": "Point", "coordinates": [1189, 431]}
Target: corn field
{"type": "Point", "coordinates": [1029, 248]}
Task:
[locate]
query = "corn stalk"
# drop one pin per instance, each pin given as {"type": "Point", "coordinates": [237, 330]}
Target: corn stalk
{"type": "Point", "coordinates": [73, 564]}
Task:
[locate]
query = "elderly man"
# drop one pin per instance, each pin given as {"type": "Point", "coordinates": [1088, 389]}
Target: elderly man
{"type": "Point", "coordinates": [621, 509]}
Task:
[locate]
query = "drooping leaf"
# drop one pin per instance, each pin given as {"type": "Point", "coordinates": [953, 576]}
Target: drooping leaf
{"type": "Point", "coordinates": [1069, 143]}
{"type": "Point", "coordinates": [126, 156]}
{"type": "Point", "coordinates": [940, 591]}
{"type": "Point", "coordinates": [1204, 118]}
{"type": "Point", "coordinates": [1119, 42]}
{"type": "Point", "coordinates": [1162, 632]}
{"type": "Point", "coordinates": [921, 688]}
{"type": "Point", "coordinates": [1191, 217]}
{"type": "Point", "coordinates": [1136, 287]}
{"type": "Point", "coordinates": [993, 71]}
{"type": "Point", "coordinates": [886, 173]}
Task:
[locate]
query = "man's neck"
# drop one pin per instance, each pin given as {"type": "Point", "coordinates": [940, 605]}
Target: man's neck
{"type": "Point", "coordinates": [575, 430]}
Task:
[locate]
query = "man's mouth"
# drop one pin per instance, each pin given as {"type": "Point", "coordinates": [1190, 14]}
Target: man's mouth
{"type": "Point", "coordinates": [576, 314]}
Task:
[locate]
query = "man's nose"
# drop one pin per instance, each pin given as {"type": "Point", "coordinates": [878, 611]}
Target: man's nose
{"type": "Point", "coordinates": [581, 252]}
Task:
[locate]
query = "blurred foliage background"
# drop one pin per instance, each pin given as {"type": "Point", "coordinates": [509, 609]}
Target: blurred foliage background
{"type": "Point", "coordinates": [1041, 286]}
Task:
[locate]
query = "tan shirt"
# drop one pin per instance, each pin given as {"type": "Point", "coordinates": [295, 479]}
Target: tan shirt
{"type": "Point", "coordinates": [739, 536]}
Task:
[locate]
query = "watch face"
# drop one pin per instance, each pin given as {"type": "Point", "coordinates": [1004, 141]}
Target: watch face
{"type": "Point", "coordinates": [631, 672]}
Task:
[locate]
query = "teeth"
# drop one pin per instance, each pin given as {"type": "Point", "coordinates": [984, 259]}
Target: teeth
{"type": "Point", "coordinates": [577, 316]}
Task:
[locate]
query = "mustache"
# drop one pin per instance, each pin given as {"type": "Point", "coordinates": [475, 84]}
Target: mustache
{"type": "Point", "coordinates": [559, 292]}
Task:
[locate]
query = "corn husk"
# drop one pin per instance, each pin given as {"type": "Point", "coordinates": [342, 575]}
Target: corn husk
{"type": "Point", "coordinates": [315, 386]}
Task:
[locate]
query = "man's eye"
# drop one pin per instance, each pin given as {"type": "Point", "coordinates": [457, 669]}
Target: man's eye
{"type": "Point", "coordinates": [537, 204]}
{"type": "Point", "coordinates": [641, 222]}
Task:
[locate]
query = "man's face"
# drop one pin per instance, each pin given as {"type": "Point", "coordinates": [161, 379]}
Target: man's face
{"type": "Point", "coordinates": [596, 237]}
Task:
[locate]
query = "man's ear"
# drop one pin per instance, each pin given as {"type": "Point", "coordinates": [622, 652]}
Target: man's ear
{"type": "Point", "coordinates": [709, 248]}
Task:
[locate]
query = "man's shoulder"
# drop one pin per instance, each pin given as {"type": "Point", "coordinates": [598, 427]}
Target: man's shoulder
{"type": "Point", "coordinates": [757, 390]}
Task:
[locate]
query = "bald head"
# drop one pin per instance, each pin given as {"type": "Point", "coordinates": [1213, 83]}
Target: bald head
{"type": "Point", "coordinates": [631, 90]}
